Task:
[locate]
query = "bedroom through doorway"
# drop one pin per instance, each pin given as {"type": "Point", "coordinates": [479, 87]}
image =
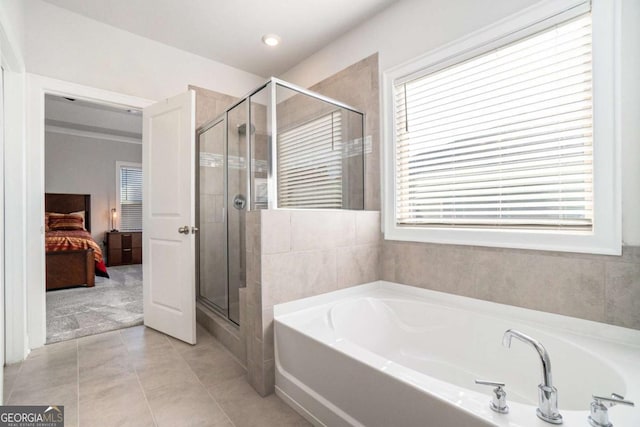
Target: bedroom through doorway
{"type": "Point", "coordinates": [93, 217]}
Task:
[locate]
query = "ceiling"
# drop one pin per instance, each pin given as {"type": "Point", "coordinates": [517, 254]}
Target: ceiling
{"type": "Point", "coordinates": [91, 120]}
{"type": "Point", "coordinates": [230, 31]}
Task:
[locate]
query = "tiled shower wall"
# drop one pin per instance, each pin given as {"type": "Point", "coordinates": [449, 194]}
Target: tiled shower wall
{"type": "Point", "coordinates": [210, 104]}
{"type": "Point", "coordinates": [357, 86]}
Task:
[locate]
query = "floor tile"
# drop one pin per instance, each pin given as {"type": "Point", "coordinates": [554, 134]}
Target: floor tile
{"type": "Point", "coordinates": [142, 337]}
{"type": "Point", "coordinates": [7, 386]}
{"type": "Point", "coordinates": [140, 377]}
{"type": "Point", "coordinates": [48, 370]}
{"type": "Point", "coordinates": [10, 375]}
{"type": "Point", "coordinates": [50, 349]}
{"type": "Point", "coordinates": [161, 368]}
{"type": "Point", "coordinates": [101, 341]}
{"type": "Point", "coordinates": [103, 364]}
{"type": "Point", "coordinates": [66, 396]}
{"type": "Point", "coordinates": [146, 356]}
{"type": "Point", "coordinates": [246, 408]}
{"type": "Point", "coordinates": [185, 404]}
{"type": "Point", "coordinates": [12, 369]}
{"type": "Point", "coordinates": [213, 364]}
{"type": "Point", "coordinates": [203, 339]}
{"type": "Point", "coordinates": [116, 402]}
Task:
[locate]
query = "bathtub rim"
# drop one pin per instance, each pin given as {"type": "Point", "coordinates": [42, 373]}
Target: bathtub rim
{"type": "Point", "coordinates": [568, 324]}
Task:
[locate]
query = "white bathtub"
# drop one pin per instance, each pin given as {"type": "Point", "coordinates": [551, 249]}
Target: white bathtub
{"type": "Point", "coordinates": [389, 355]}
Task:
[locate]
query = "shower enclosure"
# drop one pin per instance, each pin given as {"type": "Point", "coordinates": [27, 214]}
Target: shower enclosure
{"type": "Point", "coordinates": [281, 146]}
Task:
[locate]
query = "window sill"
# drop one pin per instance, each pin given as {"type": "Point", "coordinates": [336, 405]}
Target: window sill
{"type": "Point", "coordinates": [547, 240]}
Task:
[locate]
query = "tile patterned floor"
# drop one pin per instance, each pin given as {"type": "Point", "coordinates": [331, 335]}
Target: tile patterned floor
{"type": "Point", "coordinates": [140, 377]}
{"type": "Point", "coordinates": [114, 303]}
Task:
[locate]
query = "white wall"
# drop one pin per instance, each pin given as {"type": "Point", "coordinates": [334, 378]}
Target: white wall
{"type": "Point", "coordinates": [68, 46]}
{"type": "Point", "coordinates": [630, 121]}
{"type": "Point", "coordinates": [401, 32]}
{"type": "Point", "coordinates": [14, 292]}
{"type": "Point", "coordinates": [413, 27]}
{"type": "Point", "coordinates": [79, 165]}
{"type": "Point", "coordinates": [12, 18]}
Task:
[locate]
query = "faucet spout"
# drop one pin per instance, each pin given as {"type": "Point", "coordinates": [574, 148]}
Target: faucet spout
{"type": "Point", "coordinates": [545, 360]}
{"type": "Point", "coordinates": [547, 393]}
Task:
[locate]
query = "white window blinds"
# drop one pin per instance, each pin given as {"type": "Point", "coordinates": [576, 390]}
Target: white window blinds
{"type": "Point", "coordinates": [130, 198]}
{"type": "Point", "coordinates": [501, 140]}
{"type": "Point", "coordinates": [310, 164]}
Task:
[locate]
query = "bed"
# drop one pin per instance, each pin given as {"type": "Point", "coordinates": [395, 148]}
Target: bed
{"type": "Point", "coordinates": [73, 258]}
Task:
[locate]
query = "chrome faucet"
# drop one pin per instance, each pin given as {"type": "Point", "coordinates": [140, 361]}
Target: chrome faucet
{"type": "Point", "coordinates": [547, 393]}
{"type": "Point", "coordinates": [599, 416]}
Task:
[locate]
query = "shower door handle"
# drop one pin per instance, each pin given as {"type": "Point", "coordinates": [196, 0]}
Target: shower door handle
{"type": "Point", "coordinates": [184, 230]}
{"type": "Point", "coordinates": [239, 202]}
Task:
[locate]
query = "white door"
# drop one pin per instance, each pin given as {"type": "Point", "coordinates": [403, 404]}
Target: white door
{"type": "Point", "coordinates": [168, 163]}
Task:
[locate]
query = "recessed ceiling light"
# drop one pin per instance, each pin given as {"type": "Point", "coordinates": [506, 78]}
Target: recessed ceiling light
{"type": "Point", "coordinates": [271, 40]}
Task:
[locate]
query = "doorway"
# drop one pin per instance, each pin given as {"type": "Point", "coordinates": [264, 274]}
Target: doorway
{"type": "Point", "coordinates": [93, 217]}
{"type": "Point", "coordinates": [37, 89]}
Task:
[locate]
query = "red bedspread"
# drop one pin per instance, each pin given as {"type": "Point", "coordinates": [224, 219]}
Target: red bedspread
{"type": "Point", "coordinates": [70, 240]}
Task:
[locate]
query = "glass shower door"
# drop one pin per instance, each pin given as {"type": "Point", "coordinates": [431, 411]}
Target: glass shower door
{"type": "Point", "coordinates": [212, 260]}
{"type": "Point", "coordinates": [223, 198]}
{"type": "Point", "coordinates": [238, 202]}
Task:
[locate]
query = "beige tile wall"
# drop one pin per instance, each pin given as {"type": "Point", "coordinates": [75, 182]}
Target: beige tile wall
{"type": "Point", "coordinates": [357, 86]}
{"type": "Point", "coordinates": [294, 254]}
{"type": "Point", "coordinates": [210, 104]}
{"type": "Point", "coordinates": [594, 287]}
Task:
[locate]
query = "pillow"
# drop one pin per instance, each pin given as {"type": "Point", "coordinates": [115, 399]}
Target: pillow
{"type": "Point", "coordinates": [65, 222]}
{"type": "Point", "coordinates": [79, 213]}
{"type": "Point", "coordinates": [46, 220]}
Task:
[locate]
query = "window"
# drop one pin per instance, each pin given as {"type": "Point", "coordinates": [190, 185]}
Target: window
{"type": "Point", "coordinates": [130, 196]}
{"type": "Point", "coordinates": [495, 144]}
{"type": "Point", "coordinates": [503, 139]}
{"type": "Point", "coordinates": [310, 164]}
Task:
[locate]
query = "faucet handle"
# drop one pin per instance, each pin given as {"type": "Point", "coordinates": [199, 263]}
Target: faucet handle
{"type": "Point", "coordinates": [499, 401]}
{"type": "Point", "coordinates": [615, 399]}
{"type": "Point", "coordinates": [599, 415]}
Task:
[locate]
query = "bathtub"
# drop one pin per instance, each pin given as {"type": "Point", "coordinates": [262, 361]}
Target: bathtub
{"type": "Point", "coordinates": [389, 355]}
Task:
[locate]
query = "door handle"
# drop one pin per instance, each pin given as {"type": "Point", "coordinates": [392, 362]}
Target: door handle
{"type": "Point", "coordinates": [239, 202]}
{"type": "Point", "coordinates": [184, 230]}
{"type": "Point", "coordinates": [194, 230]}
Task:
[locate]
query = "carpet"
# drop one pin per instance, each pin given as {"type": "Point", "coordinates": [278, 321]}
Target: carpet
{"type": "Point", "coordinates": [112, 304]}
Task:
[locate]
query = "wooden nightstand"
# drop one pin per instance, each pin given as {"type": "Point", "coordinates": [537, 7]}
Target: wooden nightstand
{"type": "Point", "coordinates": [123, 247]}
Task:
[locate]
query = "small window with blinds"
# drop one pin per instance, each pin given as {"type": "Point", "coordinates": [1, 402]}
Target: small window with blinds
{"type": "Point", "coordinates": [310, 164]}
{"type": "Point", "coordinates": [130, 196]}
{"type": "Point", "coordinates": [502, 140]}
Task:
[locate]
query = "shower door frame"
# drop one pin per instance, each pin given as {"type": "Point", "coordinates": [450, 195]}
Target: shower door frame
{"type": "Point", "coordinates": [221, 119]}
{"type": "Point", "coordinates": [272, 129]}
{"type": "Point", "coordinates": [272, 179]}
